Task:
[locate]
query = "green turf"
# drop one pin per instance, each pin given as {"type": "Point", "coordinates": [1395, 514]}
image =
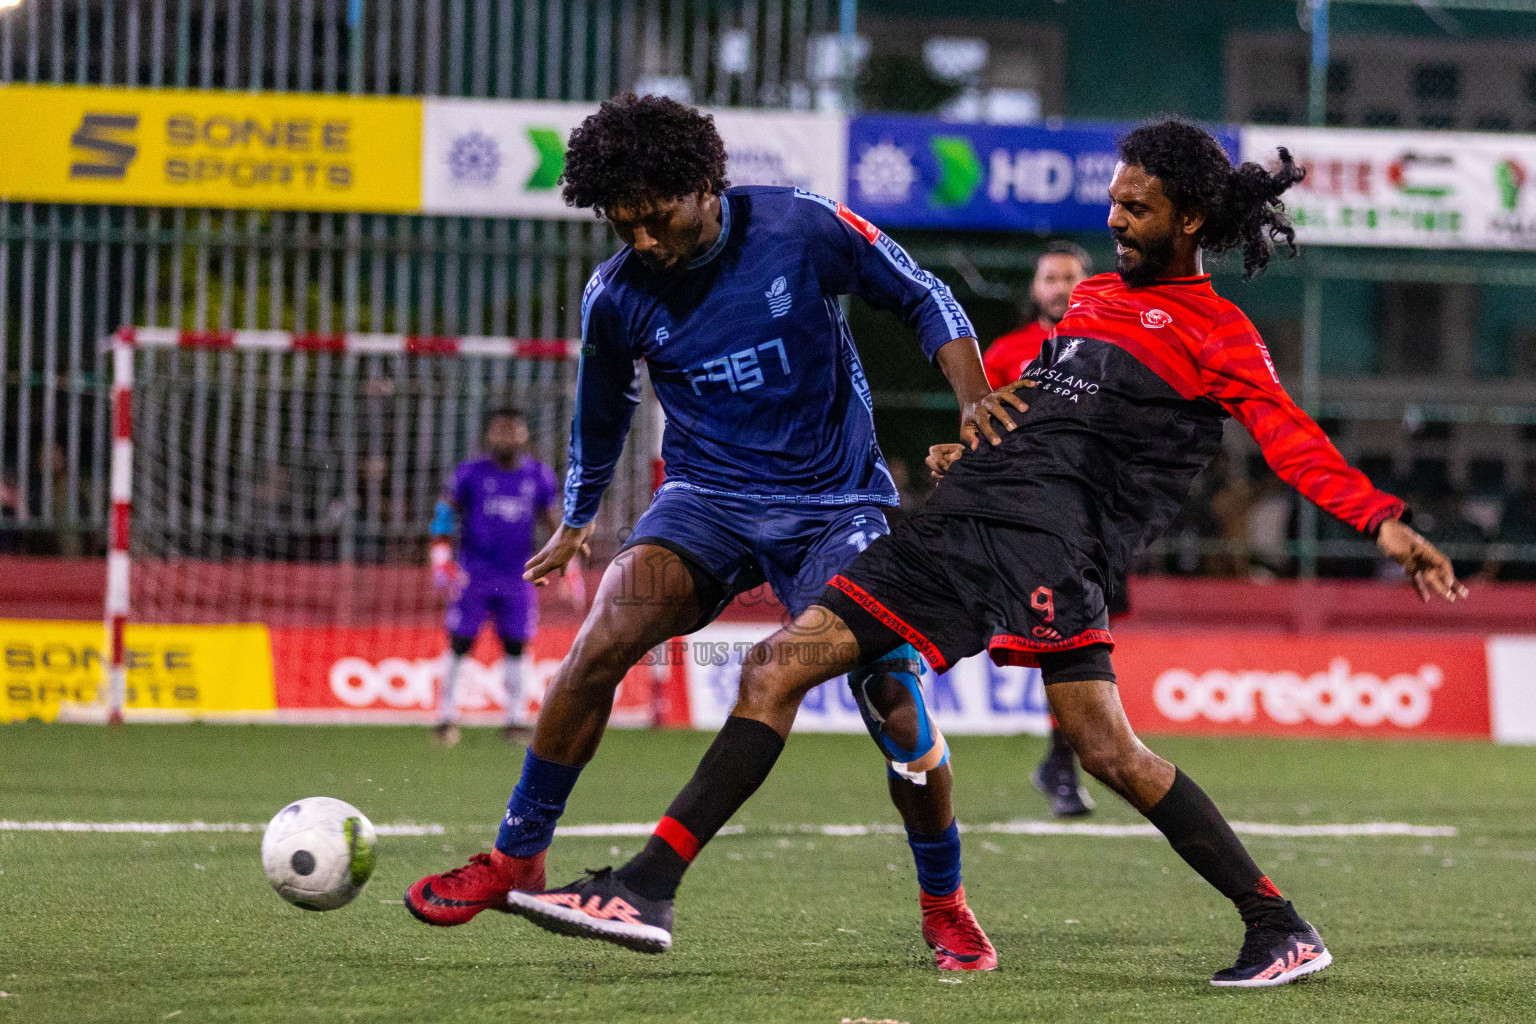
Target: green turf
{"type": "Point", "coordinates": [770, 926]}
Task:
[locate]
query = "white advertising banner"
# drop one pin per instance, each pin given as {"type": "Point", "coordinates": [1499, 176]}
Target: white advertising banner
{"type": "Point", "coordinates": [975, 697]}
{"type": "Point", "coordinates": [495, 158]}
{"type": "Point", "coordinates": [1430, 189]}
{"type": "Point", "coordinates": [1512, 688]}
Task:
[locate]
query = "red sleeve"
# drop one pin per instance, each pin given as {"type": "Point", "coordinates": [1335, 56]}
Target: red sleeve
{"type": "Point", "coordinates": [1236, 370]}
{"type": "Point", "coordinates": [1006, 357]}
{"type": "Point", "coordinates": [996, 362]}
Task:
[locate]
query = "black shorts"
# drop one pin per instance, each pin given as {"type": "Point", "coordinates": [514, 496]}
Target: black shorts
{"type": "Point", "coordinates": [953, 586]}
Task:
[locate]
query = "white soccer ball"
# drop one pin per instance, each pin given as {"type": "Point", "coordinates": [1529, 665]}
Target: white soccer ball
{"type": "Point", "coordinates": [318, 852]}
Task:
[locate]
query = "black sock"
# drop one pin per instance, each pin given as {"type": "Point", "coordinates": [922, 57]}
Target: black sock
{"type": "Point", "coordinates": [1060, 748]}
{"type": "Point", "coordinates": [734, 766]}
{"type": "Point", "coordinates": [1199, 834]}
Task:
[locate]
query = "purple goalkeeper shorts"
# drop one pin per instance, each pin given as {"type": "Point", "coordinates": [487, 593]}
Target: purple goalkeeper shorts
{"type": "Point", "coordinates": [513, 603]}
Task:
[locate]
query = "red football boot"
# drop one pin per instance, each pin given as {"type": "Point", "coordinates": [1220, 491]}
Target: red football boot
{"type": "Point", "coordinates": [458, 895]}
{"type": "Point", "coordinates": [950, 929]}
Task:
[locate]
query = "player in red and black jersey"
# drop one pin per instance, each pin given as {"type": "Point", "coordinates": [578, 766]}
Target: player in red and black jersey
{"type": "Point", "coordinates": [1015, 550]}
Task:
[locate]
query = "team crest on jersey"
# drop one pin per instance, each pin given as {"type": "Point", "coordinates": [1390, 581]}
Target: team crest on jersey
{"type": "Point", "coordinates": [779, 298]}
{"type": "Point", "coordinates": [1155, 318]}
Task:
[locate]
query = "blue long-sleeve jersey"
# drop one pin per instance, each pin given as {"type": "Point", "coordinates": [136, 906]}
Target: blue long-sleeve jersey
{"type": "Point", "coordinates": [750, 356]}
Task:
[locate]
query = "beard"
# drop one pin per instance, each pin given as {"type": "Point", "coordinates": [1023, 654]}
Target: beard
{"type": "Point", "coordinates": [1056, 309]}
{"type": "Point", "coordinates": [1156, 256]}
{"type": "Point", "coordinates": [504, 456]}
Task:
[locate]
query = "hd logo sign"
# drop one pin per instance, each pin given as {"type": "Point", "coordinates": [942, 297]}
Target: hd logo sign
{"type": "Point", "coordinates": [181, 147]}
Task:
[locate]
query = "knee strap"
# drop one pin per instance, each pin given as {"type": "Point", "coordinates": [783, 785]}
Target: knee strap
{"type": "Point", "coordinates": [913, 765]}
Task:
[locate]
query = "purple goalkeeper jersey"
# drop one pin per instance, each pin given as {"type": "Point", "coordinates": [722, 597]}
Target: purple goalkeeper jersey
{"type": "Point", "coordinates": [497, 508]}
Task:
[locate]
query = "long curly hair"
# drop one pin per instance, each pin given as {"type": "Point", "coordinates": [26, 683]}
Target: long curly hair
{"type": "Point", "coordinates": [1242, 205]}
{"type": "Point", "coordinates": [636, 151]}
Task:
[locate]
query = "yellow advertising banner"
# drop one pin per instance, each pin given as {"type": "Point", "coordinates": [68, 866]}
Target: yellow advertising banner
{"type": "Point", "coordinates": [184, 147]}
{"type": "Point", "coordinates": [173, 671]}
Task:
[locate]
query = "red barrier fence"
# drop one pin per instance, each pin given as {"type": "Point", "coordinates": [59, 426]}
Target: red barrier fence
{"type": "Point", "coordinates": [299, 593]}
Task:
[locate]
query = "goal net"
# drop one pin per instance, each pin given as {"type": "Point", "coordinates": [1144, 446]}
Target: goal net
{"type": "Point", "coordinates": [276, 492]}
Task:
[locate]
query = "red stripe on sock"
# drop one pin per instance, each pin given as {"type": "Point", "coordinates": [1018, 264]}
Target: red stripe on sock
{"type": "Point", "coordinates": [676, 835]}
{"type": "Point", "coordinates": [1266, 888]}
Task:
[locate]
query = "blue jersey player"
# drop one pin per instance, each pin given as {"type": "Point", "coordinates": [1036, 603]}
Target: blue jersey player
{"type": "Point", "coordinates": [773, 474]}
{"type": "Point", "coordinates": [493, 503]}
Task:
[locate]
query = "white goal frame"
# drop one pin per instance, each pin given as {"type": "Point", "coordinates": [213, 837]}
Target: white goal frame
{"type": "Point", "coordinates": [128, 341]}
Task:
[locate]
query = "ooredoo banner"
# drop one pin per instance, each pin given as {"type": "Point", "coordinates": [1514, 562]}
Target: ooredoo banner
{"type": "Point", "coordinates": [382, 674]}
{"type": "Point", "coordinates": [1322, 685]}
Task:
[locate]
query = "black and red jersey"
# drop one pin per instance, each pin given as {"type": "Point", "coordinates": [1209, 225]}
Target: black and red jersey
{"type": "Point", "coordinates": [1006, 357]}
{"type": "Point", "coordinates": [1133, 387]}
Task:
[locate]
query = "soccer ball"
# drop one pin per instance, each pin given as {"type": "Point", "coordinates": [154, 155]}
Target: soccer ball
{"type": "Point", "coordinates": [318, 852]}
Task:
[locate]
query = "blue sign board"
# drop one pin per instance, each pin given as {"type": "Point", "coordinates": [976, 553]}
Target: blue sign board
{"type": "Point", "coordinates": [920, 172]}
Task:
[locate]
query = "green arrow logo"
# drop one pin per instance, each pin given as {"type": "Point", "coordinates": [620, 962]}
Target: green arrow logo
{"type": "Point", "coordinates": [959, 170]}
{"type": "Point", "coordinates": [551, 147]}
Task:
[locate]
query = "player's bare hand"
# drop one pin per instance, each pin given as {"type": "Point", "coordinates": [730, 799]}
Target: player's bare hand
{"type": "Point", "coordinates": [976, 418]}
{"type": "Point", "coordinates": [1424, 563]}
{"type": "Point", "coordinates": [941, 457]}
{"type": "Point", "coordinates": [567, 543]}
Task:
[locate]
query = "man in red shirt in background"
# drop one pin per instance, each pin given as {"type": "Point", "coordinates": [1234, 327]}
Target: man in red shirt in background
{"type": "Point", "coordinates": [1061, 267]}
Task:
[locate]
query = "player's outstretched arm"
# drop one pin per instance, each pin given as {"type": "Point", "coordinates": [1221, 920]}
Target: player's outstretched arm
{"type": "Point", "coordinates": [567, 542]}
{"type": "Point", "coordinates": [1425, 564]}
{"type": "Point", "coordinates": [853, 257]}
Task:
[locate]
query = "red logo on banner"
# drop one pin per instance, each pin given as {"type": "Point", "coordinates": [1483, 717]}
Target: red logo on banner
{"type": "Point", "coordinates": [1320, 685]}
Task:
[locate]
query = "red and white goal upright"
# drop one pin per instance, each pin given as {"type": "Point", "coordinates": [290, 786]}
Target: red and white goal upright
{"type": "Point", "coordinates": [288, 480]}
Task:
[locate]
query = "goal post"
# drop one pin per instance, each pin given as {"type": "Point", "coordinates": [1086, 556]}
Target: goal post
{"type": "Point", "coordinates": [288, 480]}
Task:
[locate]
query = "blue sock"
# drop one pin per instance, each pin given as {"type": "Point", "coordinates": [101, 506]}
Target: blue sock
{"type": "Point", "coordinates": [938, 859]}
{"type": "Point", "coordinates": [536, 804]}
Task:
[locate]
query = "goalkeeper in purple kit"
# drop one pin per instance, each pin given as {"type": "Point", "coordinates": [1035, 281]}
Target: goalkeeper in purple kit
{"type": "Point", "coordinates": [493, 503]}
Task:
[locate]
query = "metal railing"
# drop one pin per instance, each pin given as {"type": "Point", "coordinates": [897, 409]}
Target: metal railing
{"type": "Point", "coordinates": [72, 274]}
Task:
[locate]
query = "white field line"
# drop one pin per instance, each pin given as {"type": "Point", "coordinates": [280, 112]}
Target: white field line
{"type": "Point", "coordinates": [166, 827]}
{"type": "Point", "coordinates": [1025, 827]}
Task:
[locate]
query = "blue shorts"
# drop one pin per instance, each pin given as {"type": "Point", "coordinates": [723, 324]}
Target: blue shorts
{"type": "Point", "coordinates": [741, 542]}
{"type": "Point", "coordinates": [512, 603]}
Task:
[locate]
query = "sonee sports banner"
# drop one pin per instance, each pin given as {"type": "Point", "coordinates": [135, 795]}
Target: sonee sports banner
{"type": "Point", "coordinates": [51, 670]}
{"type": "Point", "coordinates": [184, 147]}
{"type": "Point", "coordinates": [365, 154]}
